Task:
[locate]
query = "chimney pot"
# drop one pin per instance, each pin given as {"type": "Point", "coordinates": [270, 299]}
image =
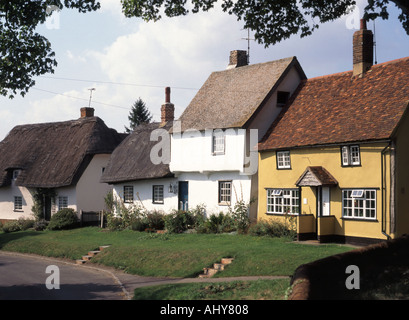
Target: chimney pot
{"type": "Point", "coordinates": [363, 24]}
{"type": "Point", "coordinates": [87, 112]}
{"type": "Point", "coordinates": [167, 109]}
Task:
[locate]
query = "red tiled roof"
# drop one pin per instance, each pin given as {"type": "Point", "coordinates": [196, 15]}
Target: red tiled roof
{"type": "Point", "coordinates": [341, 108]}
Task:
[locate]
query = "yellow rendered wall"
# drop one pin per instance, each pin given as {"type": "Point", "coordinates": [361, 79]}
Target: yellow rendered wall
{"type": "Point", "coordinates": [368, 175]}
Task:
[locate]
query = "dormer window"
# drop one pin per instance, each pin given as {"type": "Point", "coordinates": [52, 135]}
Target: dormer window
{"type": "Point", "coordinates": [282, 98]}
{"type": "Point", "coordinates": [15, 174]}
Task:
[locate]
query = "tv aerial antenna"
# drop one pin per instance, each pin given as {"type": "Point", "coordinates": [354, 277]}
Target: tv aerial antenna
{"type": "Point", "coordinates": [90, 95]}
{"type": "Point", "coordinates": [248, 44]}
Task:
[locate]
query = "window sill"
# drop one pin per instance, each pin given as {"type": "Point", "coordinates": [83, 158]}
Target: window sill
{"type": "Point", "coordinates": [224, 204]}
{"type": "Point", "coordinates": [158, 202]}
{"type": "Point", "coordinates": [360, 219]}
{"type": "Point", "coordinates": [18, 210]}
{"type": "Point", "coordinates": [281, 214]}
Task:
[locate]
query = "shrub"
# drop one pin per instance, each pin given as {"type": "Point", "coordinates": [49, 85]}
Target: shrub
{"type": "Point", "coordinates": [40, 225]}
{"type": "Point", "coordinates": [154, 220]}
{"type": "Point", "coordinates": [17, 225]}
{"type": "Point", "coordinates": [273, 228]}
{"type": "Point", "coordinates": [218, 223]}
{"type": "Point", "coordinates": [64, 219]}
{"type": "Point", "coordinates": [240, 215]}
{"type": "Point", "coordinates": [25, 223]}
{"type": "Point", "coordinates": [11, 226]}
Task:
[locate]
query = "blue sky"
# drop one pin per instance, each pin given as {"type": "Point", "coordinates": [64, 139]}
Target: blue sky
{"type": "Point", "coordinates": [124, 59]}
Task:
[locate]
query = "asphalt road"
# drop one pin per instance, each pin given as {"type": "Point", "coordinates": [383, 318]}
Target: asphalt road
{"type": "Point", "coordinates": [24, 277]}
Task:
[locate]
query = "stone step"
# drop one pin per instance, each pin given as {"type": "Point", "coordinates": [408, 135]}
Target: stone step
{"type": "Point", "coordinates": [103, 247]}
{"type": "Point", "coordinates": [79, 261]}
{"type": "Point", "coordinates": [93, 253]}
{"type": "Point", "coordinates": [227, 260]}
{"type": "Point", "coordinates": [86, 258]}
{"type": "Point", "coordinates": [218, 266]}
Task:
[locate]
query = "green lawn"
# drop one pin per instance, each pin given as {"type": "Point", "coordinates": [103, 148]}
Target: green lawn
{"type": "Point", "coordinates": [172, 255]}
{"type": "Point", "coordinates": [235, 290]}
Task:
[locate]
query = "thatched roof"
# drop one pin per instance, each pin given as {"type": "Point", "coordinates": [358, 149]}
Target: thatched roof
{"type": "Point", "coordinates": [52, 155]}
{"type": "Point", "coordinates": [229, 98]}
{"type": "Point", "coordinates": [131, 161]}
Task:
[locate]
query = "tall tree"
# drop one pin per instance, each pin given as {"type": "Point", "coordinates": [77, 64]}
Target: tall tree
{"type": "Point", "coordinates": [139, 114]}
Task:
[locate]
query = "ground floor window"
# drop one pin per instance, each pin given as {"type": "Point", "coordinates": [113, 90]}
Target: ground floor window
{"type": "Point", "coordinates": [359, 203]}
{"type": "Point", "coordinates": [18, 203]}
{"type": "Point", "coordinates": [283, 201]}
{"type": "Point", "coordinates": [225, 192]}
{"type": "Point", "coordinates": [128, 194]}
{"type": "Point", "coordinates": [62, 202]}
{"type": "Point", "coordinates": [157, 196]}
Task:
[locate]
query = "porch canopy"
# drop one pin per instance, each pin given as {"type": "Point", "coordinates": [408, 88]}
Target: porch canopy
{"type": "Point", "coordinates": [316, 177]}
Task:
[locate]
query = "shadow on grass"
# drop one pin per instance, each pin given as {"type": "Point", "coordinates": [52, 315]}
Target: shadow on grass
{"type": "Point", "coordinates": [13, 236]}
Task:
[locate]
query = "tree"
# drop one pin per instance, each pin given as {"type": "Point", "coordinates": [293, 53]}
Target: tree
{"type": "Point", "coordinates": [24, 53]}
{"type": "Point", "coordinates": [272, 21]}
{"type": "Point", "coordinates": [139, 114]}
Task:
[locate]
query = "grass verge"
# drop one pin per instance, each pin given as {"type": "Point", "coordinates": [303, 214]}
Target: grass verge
{"type": "Point", "coordinates": [171, 255]}
{"type": "Point", "coordinates": [235, 290]}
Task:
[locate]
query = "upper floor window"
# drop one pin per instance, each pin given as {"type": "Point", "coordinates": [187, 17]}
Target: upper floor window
{"type": "Point", "coordinates": [218, 142]}
{"type": "Point", "coordinates": [351, 155]}
{"type": "Point", "coordinates": [283, 160]}
{"type": "Point", "coordinates": [128, 194]}
{"type": "Point", "coordinates": [15, 174]}
{"type": "Point", "coordinates": [282, 98]}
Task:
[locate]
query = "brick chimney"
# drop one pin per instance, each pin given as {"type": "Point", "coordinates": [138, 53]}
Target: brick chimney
{"type": "Point", "coordinates": [87, 112]}
{"type": "Point", "coordinates": [167, 109]}
{"type": "Point", "coordinates": [238, 58]}
{"type": "Point", "coordinates": [362, 50]}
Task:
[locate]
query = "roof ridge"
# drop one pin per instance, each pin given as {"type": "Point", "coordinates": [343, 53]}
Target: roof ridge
{"type": "Point", "coordinates": [342, 73]}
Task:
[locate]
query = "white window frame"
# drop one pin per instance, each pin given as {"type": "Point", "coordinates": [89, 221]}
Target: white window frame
{"type": "Point", "coordinates": [359, 207]}
{"type": "Point", "coordinates": [128, 194]}
{"type": "Point", "coordinates": [62, 202]}
{"type": "Point", "coordinates": [15, 174]}
{"type": "Point", "coordinates": [218, 142]}
{"type": "Point", "coordinates": [284, 202]}
{"type": "Point", "coordinates": [158, 194]}
{"type": "Point", "coordinates": [18, 203]}
{"type": "Point", "coordinates": [283, 160]}
{"type": "Point", "coordinates": [351, 155]}
{"type": "Point", "coordinates": [225, 188]}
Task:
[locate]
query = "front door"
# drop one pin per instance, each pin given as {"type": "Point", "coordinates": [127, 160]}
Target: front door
{"type": "Point", "coordinates": [47, 208]}
{"type": "Point", "coordinates": [325, 201]}
{"type": "Point", "coordinates": [183, 195]}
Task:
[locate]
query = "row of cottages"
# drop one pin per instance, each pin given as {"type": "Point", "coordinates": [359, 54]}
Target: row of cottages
{"type": "Point", "coordinates": [337, 155]}
{"type": "Point", "coordinates": [208, 156]}
{"type": "Point", "coordinates": [59, 164]}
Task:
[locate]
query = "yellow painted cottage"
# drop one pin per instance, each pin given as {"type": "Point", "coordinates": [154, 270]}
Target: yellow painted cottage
{"type": "Point", "coordinates": [337, 156]}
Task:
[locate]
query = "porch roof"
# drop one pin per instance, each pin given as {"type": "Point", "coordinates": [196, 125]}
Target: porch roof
{"type": "Point", "coordinates": [316, 176]}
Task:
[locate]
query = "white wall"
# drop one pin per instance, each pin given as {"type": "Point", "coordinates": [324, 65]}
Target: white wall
{"type": "Point", "coordinates": [90, 192]}
{"type": "Point", "coordinates": [204, 189]}
{"type": "Point", "coordinates": [191, 151]}
{"type": "Point", "coordinates": [143, 194]}
{"type": "Point", "coordinates": [7, 195]}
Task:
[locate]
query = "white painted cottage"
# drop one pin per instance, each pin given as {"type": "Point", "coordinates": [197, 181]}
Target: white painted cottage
{"type": "Point", "coordinates": [213, 153]}
{"type": "Point", "coordinates": [61, 161]}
